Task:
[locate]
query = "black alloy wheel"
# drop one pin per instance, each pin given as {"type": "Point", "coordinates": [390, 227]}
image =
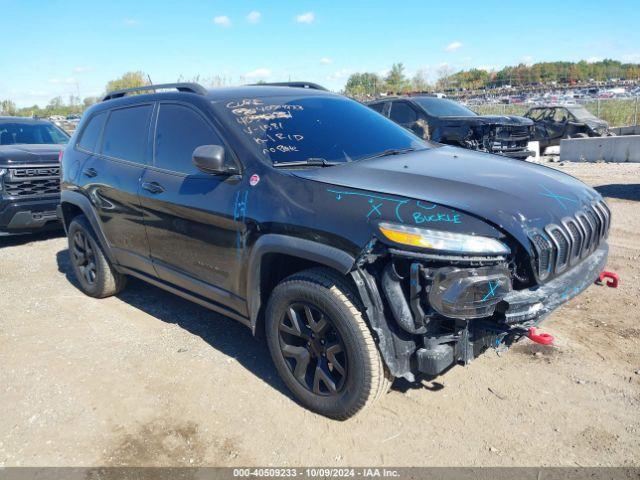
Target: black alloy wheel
{"type": "Point", "coordinates": [84, 256]}
{"type": "Point", "coordinates": [313, 349]}
{"type": "Point", "coordinates": [95, 275]}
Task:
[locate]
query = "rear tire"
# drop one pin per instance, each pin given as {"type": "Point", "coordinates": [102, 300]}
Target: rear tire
{"type": "Point", "coordinates": [95, 275]}
{"type": "Point", "coordinates": [321, 345]}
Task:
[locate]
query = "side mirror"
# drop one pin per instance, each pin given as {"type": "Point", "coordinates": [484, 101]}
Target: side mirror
{"type": "Point", "coordinates": [210, 159]}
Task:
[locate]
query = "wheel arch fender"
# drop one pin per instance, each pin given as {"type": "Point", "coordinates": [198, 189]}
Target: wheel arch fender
{"type": "Point", "coordinates": [305, 250]}
{"type": "Point", "coordinates": [71, 200]}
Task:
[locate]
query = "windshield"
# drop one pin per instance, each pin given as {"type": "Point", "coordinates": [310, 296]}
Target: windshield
{"type": "Point", "coordinates": [440, 107]}
{"type": "Point", "coordinates": [12, 133]}
{"type": "Point", "coordinates": [301, 128]}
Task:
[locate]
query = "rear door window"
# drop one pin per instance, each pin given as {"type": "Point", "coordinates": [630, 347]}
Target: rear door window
{"type": "Point", "coordinates": [378, 107]}
{"type": "Point", "coordinates": [179, 131]}
{"type": "Point", "coordinates": [91, 133]}
{"type": "Point", "coordinates": [125, 135]}
{"type": "Point", "coordinates": [402, 113]}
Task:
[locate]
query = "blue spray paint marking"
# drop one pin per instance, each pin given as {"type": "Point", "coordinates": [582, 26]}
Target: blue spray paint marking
{"type": "Point", "coordinates": [569, 292]}
{"type": "Point", "coordinates": [492, 290]}
{"type": "Point", "coordinates": [556, 197]}
{"type": "Point", "coordinates": [374, 208]}
{"type": "Point", "coordinates": [418, 217]}
{"type": "Point", "coordinates": [414, 271]}
{"type": "Point", "coordinates": [399, 203]}
{"type": "Point", "coordinates": [433, 205]}
{"type": "Point", "coordinates": [239, 214]}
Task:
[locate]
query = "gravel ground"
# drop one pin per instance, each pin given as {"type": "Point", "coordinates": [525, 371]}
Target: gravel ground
{"type": "Point", "coordinates": [147, 378]}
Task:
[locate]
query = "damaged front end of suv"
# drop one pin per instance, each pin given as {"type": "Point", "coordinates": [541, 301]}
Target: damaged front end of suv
{"type": "Point", "coordinates": [507, 136]}
{"type": "Point", "coordinates": [476, 263]}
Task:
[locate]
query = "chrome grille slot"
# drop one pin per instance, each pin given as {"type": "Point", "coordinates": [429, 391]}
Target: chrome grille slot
{"type": "Point", "coordinates": [562, 247]}
{"type": "Point", "coordinates": [576, 238]}
{"type": "Point", "coordinates": [587, 228]}
{"type": "Point", "coordinates": [595, 222]}
{"type": "Point", "coordinates": [544, 251]}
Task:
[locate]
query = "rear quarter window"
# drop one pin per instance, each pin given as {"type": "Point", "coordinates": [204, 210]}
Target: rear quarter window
{"type": "Point", "coordinates": [91, 133]}
{"type": "Point", "coordinates": [378, 107]}
{"type": "Point", "coordinates": [125, 135]}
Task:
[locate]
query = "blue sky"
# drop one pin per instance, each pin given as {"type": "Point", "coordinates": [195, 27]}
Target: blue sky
{"type": "Point", "coordinates": [56, 47]}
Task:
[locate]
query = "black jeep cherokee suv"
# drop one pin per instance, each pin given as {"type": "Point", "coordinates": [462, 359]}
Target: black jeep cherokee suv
{"type": "Point", "coordinates": [29, 174]}
{"type": "Point", "coordinates": [360, 251]}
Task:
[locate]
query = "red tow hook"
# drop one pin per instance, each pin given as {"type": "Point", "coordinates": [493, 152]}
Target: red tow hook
{"type": "Point", "coordinates": [612, 279]}
{"type": "Point", "coordinates": [541, 338]}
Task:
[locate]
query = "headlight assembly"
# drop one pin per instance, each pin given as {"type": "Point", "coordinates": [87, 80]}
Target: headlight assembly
{"type": "Point", "coordinates": [469, 293]}
{"type": "Point", "coordinates": [442, 241]}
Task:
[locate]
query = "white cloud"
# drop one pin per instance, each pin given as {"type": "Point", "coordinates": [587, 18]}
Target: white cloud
{"type": "Point", "coordinates": [81, 69]}
{"type": "Point", "coordinates": [325, 60]}
{"type": "Point", "coordinates": [452, 47]}
{"type": "Point", "coordinates": [254, 17]}
{"type": "Point", "coordinates": [308, 17]}
{"type": "Point", "coordinates": [527, 60]}
{"type": "Point", "coordinates": [130, 22]}
{"type": "Point", "coordinates": [63, 81]}
{"type": "Point", "coordinates": [222, 20]}
{"type": "Point", "coordinates": [594, 59]}
{"type": "Point", "coordinates": [258, 73]}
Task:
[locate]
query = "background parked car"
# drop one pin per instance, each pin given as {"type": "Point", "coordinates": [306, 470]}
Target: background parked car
{"type": "Point", "coordinates": [555, 122]}
{"type": "Point", "coordinates": [446, 121]}
{"type": "Point", "coordinates": [29, 174]}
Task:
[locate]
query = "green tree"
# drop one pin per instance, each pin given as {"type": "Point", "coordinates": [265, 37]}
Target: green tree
{"type": "Point", "coordinates": [128, 80]}
{"type": "Point", "coordinates": [88, 101]}
{"type": "Point", "coordinates": [396, 81]}
{"type": "Point", "coordinates": [363, 84]}
{"type": "Point", "coordinates": [8, 107]}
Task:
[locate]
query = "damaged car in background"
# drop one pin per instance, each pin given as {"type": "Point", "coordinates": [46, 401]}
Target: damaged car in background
{"type": "Point", "coordinates": [361, 252]}
{"type": "Point", "coordinates": [555, 122]}
{"type": "Point", "coordinates": [445, 121]}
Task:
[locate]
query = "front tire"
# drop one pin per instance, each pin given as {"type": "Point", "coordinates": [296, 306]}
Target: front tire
{"type": "Point", "coordinates": [322, 346]}
{"type": "Point", "coordinates": [96, 276]}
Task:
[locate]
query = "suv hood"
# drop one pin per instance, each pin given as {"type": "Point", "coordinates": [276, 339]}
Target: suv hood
{"type": "Point", "coordinates": [29, 154]}
{"type": "Point", "coordinates": [502, 120]}
{"type": "Point", "coordinates": [512, 195]}
{"type": "Point", "coordinates": [597, 125]}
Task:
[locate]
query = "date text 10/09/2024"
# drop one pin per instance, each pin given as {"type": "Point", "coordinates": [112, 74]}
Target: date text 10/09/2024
{"type": "Point", "coordinates": [316, 472]}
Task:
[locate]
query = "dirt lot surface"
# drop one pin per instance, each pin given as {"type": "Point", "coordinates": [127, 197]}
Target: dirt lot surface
{"type": "Point", "coordinates": [147, 378]}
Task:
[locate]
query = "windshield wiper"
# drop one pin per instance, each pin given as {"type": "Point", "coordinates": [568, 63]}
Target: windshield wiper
{"type": "Point", "coordinates": [309, 162]}
{"type": "Point", "coordinates": [391, 151]}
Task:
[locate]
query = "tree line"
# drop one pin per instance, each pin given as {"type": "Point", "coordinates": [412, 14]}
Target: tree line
{"type": "Point", "coordinates": [73, 105]}
{"type": "Point", "coordinates": [543, 73]}
{"type": "Point", "coordinates": [369, 84]}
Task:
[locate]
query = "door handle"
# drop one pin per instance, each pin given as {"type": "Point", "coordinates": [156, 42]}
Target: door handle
{"type": "Point", "coordinates": [90, 172]}
{"type": "Point", "coordinates": [153, 187]}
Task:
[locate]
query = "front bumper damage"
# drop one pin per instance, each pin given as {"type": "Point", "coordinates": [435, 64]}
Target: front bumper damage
{"type": "Point", "coordinates": [416, 339]}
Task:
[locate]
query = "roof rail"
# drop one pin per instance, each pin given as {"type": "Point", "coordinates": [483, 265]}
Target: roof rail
{"type": "Point", "coordinates": [181, 87]}
{"type": "Point", "coordinates": [310, 85]}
